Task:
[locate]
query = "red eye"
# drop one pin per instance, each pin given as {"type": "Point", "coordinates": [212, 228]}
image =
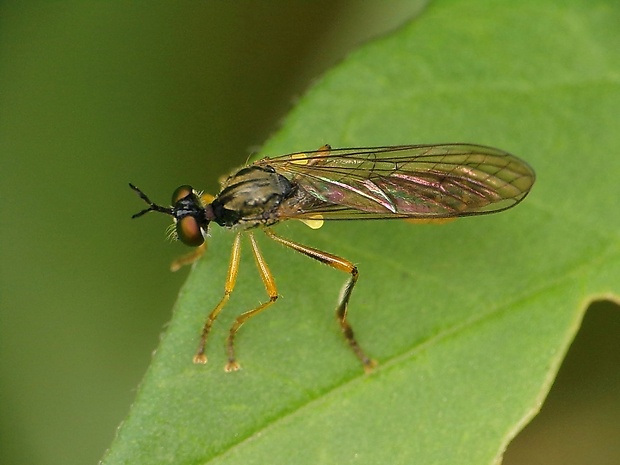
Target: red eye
{"type": "Point", "coordinates": [181, 192]}
{"type": "Point", "coordinates": [189, 231]}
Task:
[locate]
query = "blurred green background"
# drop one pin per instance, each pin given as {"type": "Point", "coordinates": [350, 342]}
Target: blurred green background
{"type": "Point", "coordinates": [97, 94]}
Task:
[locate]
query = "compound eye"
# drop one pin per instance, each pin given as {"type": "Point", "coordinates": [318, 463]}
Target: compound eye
{"type": "Point", "coordinates": [189, 231]}
{"type": "Point", "coordinates": [181, 192]}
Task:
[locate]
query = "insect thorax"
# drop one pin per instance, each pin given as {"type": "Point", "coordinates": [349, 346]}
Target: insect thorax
{"type": "Point", "coordinates": [250, 197]}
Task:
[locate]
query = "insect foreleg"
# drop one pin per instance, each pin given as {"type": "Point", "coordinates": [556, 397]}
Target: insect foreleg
{"type": "Point", "coordinates": [189, 258]}
{"type": "Point", "coordinates": [270, 287]}
{"type": "Point", "coordinates": [231, 278]}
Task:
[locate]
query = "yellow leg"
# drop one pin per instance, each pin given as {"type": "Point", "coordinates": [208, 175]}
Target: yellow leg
{"type": "Point", "coordinates": [341, 311]}
{"type": "Point", "coordinates": [270, 287]}
{"type": "Point", "coordinates": [189, 258]}
{"type": "Point", "coordinates": [231, 278]}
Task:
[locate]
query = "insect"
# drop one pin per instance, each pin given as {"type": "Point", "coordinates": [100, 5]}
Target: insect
{"type": "Point", "coordinates": [407, 181]}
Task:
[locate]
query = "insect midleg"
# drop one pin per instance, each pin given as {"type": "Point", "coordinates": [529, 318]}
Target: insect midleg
{"type": "Point", "coordinates": [341, 311]}
{"type": "Point", "coordinates": [231, 278]}
{"type": "Point", "coordinates": [270, 287]}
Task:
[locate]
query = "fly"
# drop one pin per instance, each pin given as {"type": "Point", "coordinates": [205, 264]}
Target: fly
{"type": "Point", "coordinates": [427, 182]}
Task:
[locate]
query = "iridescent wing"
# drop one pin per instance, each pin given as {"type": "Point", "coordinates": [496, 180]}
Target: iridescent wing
{"type": "Point", "coordinates": [409, 181]}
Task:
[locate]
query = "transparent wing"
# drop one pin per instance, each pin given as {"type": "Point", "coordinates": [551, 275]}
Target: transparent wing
{"type": "Point", "coordinates": [410, 181]}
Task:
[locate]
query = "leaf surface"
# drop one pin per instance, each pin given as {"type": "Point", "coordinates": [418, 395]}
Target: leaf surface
{"type": "Point", "coordinates": [469, 320]}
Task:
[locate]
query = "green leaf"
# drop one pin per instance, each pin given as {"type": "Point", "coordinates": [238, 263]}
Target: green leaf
{"type": "Point", "coordinates": [469, 320]}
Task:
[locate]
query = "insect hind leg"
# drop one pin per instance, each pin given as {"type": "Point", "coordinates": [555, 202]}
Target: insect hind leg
{"type": "Point", "coordinates": [341, 311]}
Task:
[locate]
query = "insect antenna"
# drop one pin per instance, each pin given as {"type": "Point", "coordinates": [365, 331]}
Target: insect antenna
{"type": "Point", "coordinates": [152, 206]}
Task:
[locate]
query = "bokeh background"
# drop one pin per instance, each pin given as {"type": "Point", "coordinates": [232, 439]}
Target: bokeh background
{"type": "Point", "coordinates": [97, 94]}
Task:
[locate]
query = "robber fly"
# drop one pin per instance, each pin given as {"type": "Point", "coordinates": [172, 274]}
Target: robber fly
{"type": "Point", "coordinates": [407, 181]}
